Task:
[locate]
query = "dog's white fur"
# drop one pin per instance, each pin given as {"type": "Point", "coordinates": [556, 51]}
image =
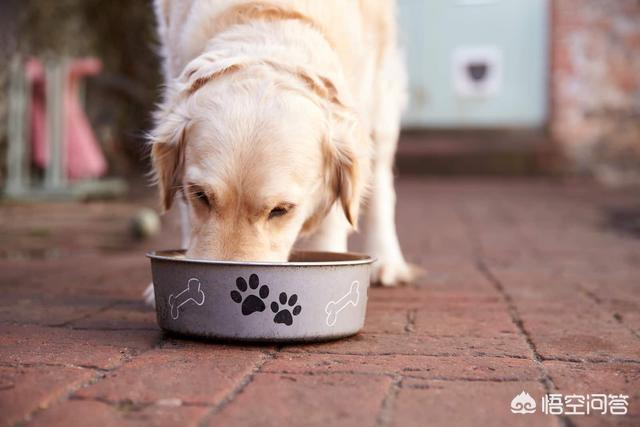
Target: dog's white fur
{"type": "Point", "coordinates": [278, 118]}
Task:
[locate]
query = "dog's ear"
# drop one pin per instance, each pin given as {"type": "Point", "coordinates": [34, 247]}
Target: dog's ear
{"type": "Point", "coordinates": [347, 146]}
{"type": "Point", "coordinates": [167, 154]}
{"type": "Point", "coordinates": [168, 139]}
{"type": "Point", "coordinates": [349, 164]}
{"type": "Point", "coordinates": [207, 67]}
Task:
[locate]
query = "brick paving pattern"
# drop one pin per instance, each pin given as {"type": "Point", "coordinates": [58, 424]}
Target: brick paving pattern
{"type": "Point", "coordinates": [531, 285]}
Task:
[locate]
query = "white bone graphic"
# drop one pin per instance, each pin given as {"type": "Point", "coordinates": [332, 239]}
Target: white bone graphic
{"type": "Point", "coordinates": [334, 307]}
{"type": "Point", "coordinates": [191, 293]}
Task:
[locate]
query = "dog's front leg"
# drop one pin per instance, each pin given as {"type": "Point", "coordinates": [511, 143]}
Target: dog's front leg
{"type": "Point", "coordinates": [381, 239]}
{"type": "Point", "coordinates": [185, 236]}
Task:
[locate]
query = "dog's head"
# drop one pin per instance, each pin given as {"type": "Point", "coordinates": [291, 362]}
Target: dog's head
{"type": "Point", "coordinates": [260, 152]}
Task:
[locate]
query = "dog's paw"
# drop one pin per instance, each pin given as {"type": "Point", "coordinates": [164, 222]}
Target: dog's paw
{"type": "Point", "coordinates": [393, 273]}
{"type": "Point", "coordinates": [149, 296]}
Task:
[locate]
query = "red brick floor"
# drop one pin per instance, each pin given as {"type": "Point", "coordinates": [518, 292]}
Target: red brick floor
{"type": "Point", "coordinates": [530, 286]}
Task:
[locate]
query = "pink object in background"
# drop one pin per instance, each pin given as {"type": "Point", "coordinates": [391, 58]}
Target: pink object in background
{"type": "Point", "coordinates": [83, 157]}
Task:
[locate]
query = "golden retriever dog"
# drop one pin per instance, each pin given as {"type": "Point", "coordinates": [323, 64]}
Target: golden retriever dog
{"type": "Point", "coordinates": [279, 119]}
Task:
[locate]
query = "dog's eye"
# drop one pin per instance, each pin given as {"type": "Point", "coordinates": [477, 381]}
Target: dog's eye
{"type": "Point", "coordinates": [199, 195]}
{"type": "Point", "coordinates": [278, 211]}
{"type": "Point", "coordinates": [202, 197]}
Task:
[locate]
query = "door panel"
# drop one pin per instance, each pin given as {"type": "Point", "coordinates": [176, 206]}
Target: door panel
{"type": "Point", "coordinates": [475, 63]}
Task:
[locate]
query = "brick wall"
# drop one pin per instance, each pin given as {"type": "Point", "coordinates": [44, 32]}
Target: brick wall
{"type": "Point", "coordinates": [595, 85]}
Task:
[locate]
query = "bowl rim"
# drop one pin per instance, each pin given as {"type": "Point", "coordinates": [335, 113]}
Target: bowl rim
{"type": "Point", "coordinates": [356, 259]}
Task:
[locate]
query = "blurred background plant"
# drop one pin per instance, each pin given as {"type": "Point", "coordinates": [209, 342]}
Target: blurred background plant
{"type": "Point", "coordinates": [122, 35]}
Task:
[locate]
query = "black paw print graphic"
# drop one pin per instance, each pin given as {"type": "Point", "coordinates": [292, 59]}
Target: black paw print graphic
{"type": "Point", "coordinates": [284, 315]}
{"type": "Point", "coordinates": [250, 303]}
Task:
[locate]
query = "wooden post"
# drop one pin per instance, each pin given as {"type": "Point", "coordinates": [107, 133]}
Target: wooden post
{"type": "Point", "coordinates": [55, 173]}
{"type": "Point", "coordinates": [18, 130]}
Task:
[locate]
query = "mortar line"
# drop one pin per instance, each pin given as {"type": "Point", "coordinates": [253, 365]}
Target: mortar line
{"type": "Point", "coordinates": [53, 365]}
{"type": "Point", "coordinates": [394, 374]}
{"type": "Point", "coordinates": [513, 313]}
{"type": "Point", "coordinates": [546, 380]}
{"type": "Point", "coordinates": [140, 404]}
{"type": "Point", "coordinates": [100, 374]}
{"type": "Point", "coordinates": [68, 392]}
{"type": "Point", "coordinates": [480, 355]}
{"type": "Point", "coordinates": [374, 354]}
{"type": "Point", "coordinates": [409, 327]}
{"type": "Point", "coordinates": [617, 317]}
{"type": "Point", "coordinates": [385, 413]}
{"type": "Point", "coordinates": [239, 388]}
{"type": "Point", "coordinates": [477, 249]}
{"type": "Point", "coordinates": [85, 316]}
{"type": "Point", "coordinates": [590, 360]}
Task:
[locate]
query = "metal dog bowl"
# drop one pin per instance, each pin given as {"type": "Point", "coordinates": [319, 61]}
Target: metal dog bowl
{"type": "Point", "coordinates": [315, 296]}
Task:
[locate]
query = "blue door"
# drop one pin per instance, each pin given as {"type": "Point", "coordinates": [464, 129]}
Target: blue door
{"type": "Point", "coordinates": [475, 63]}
